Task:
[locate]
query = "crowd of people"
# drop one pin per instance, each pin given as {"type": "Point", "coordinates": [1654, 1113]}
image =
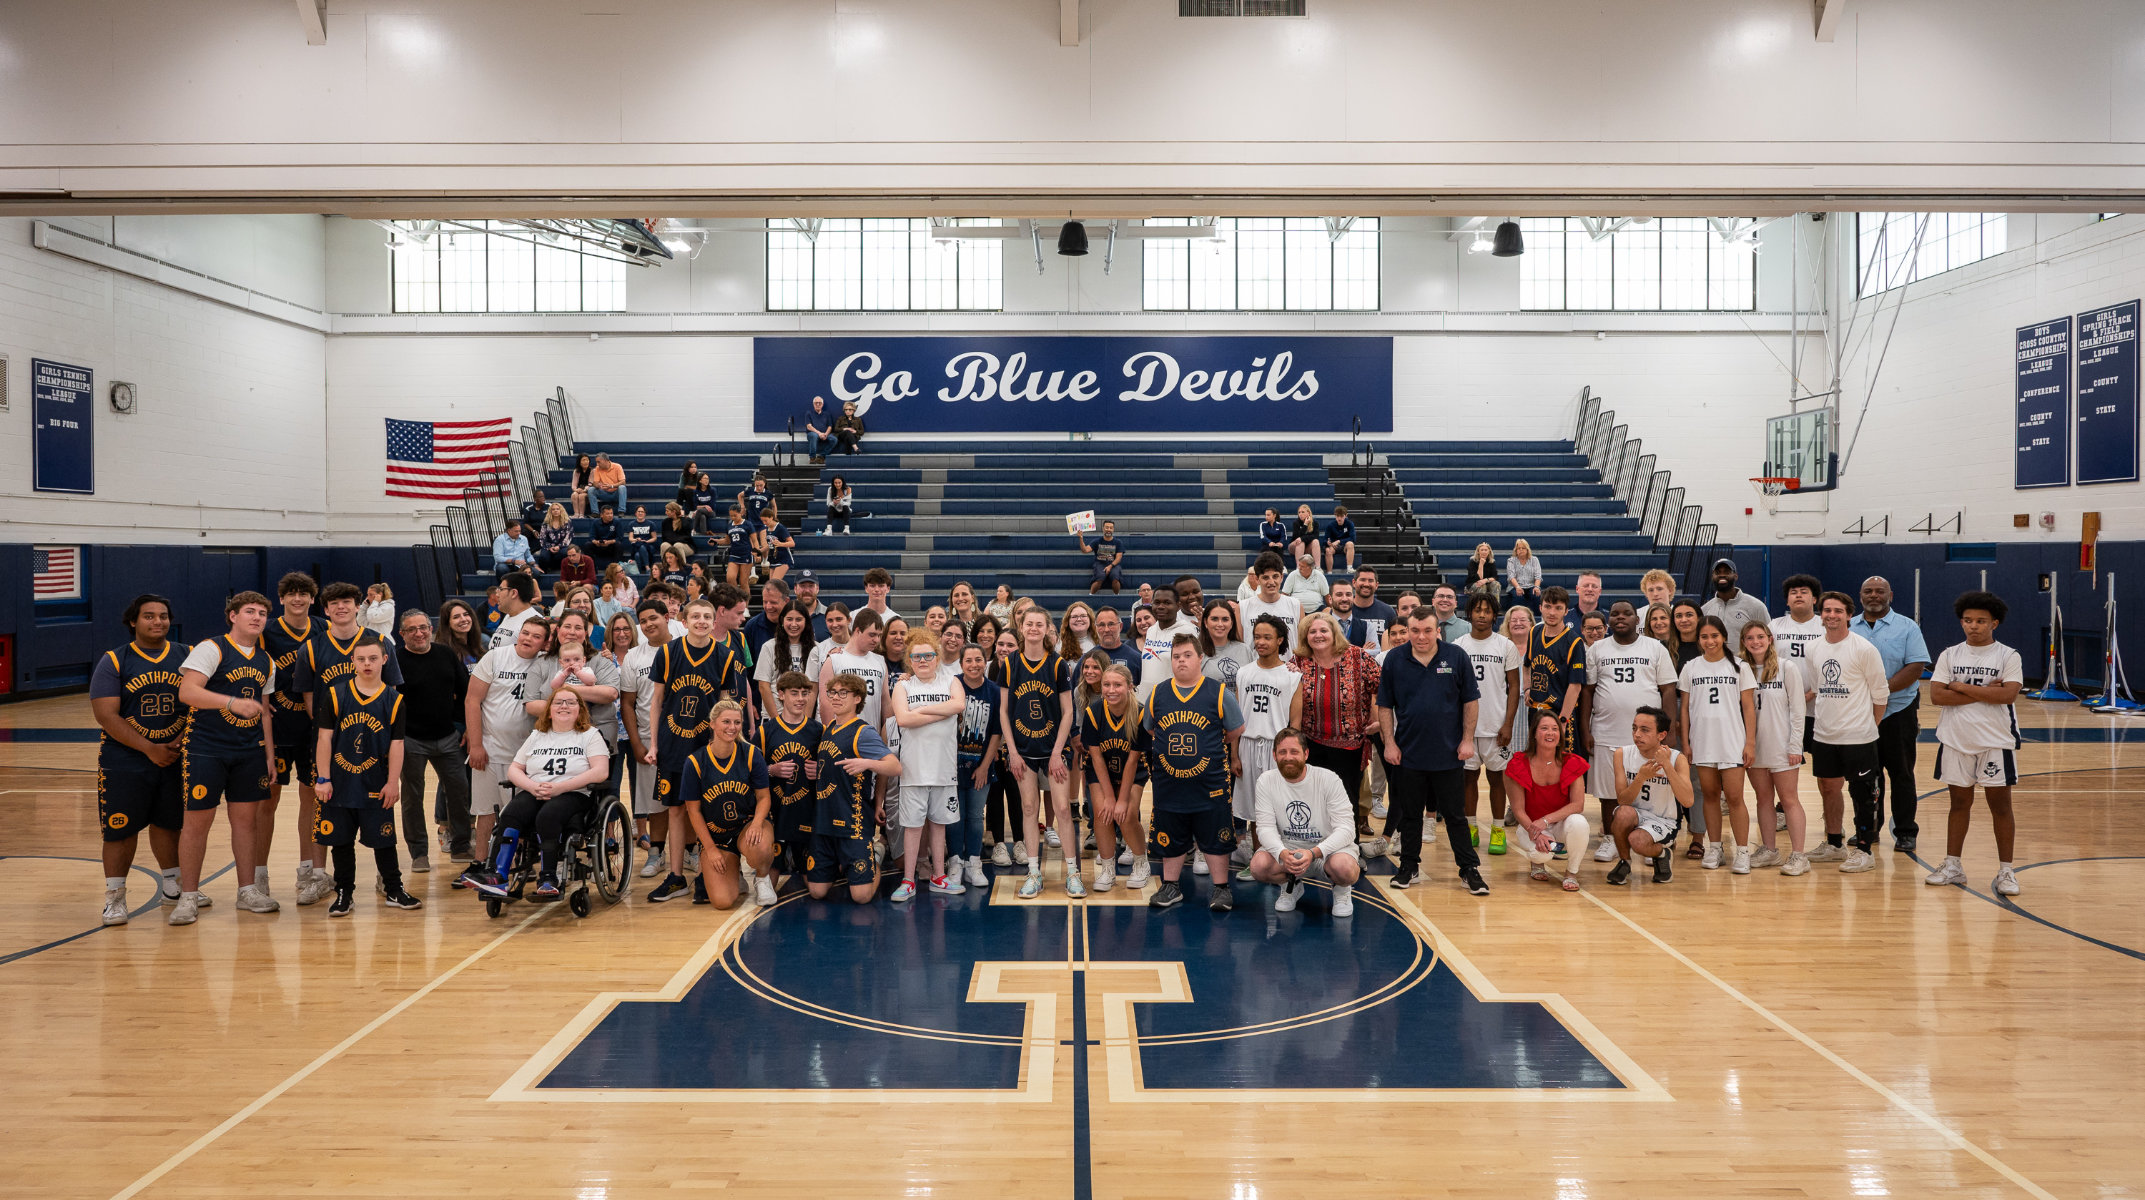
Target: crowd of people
{"type": "Point", "coordinates": [1276, 735]}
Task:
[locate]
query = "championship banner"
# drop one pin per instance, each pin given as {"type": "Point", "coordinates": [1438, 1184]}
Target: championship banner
{"type": "Point", "coordinates": [2043, 398]}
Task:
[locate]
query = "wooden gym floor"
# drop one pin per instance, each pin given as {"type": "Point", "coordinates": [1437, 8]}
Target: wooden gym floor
{"type": "Point", "coordinates": [1828, 1036]}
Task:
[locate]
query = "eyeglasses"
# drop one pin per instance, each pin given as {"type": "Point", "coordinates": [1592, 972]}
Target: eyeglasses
{"type": "Point", "coordinates": [919, 655]}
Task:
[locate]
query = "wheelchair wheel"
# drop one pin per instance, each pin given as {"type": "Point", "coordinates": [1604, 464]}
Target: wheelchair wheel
{"type": "Point", "coordinates": [610, 851]}
{"type": "Point", "coordinates": [493, 906]}
{"type": "Point", "coordinates": [578, 901]}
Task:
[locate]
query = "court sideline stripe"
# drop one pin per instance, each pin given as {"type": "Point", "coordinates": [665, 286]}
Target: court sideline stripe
{"type": "Point", "coordinates": [1905, 1105]}
{"type": "Point", "coordinates": [331, 1054]}
{"type": "Point", "coordinates": [158, 902]}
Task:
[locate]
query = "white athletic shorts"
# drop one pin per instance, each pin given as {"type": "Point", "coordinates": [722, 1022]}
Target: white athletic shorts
{"type": "Point", "coordinates": [1489, 756]}
{"type": "Point", "coordinates": [644, 801]}
{"type": "Point", "coordinates": [486, 796]}
{"type": "Point", "coordinates": [1990, 768]}
{"type": "Point", "coordinates": [1661, 829]}
{"type": "Point", "coordinates": [939, 804]}
{"type": "Point", "coordinates": [1257, 757]}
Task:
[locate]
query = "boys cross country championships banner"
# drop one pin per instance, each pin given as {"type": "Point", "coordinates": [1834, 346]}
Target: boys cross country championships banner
{"type": "Point", "coordinates": [1113, 384]}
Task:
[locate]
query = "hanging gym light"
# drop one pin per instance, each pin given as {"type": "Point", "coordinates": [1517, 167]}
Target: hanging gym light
{"type": "Point", "coordinates": [1508, 243]}
{"type": "Point", "coordinates": [1072, 239]}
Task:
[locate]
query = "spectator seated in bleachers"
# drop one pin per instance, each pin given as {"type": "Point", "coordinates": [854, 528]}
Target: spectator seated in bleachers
{"type": "Point", "coordinates": [1273, 537]}
{"type": "Point", "coordinates": [582, 465]}
{"type": "Point", "coordinates": [1109, 559]}
{"type": "Point", "coordinates": [1523, 575]}
{"type": "Point", "coordinates": [606, 483]}
{"type": "Point", "coordinates": [1302, 536]}
{"type": "Point", "coordinates": [532, 513]}
{"type": "Point", "coordinates": [849, 429]}
{"type": "Point", "coordinates": [819, 427]}
{"type": "Point", "coordinates": [841, 506]}
{"type": "Point", "coordinates": [607, 536]}
{"type": "Point", "coordinates": [510, 550]}
{"type": "Point", "coordinates": [642, 541]}
{"type": "Point", "coordinates": [676, 534]}
{"type": "Point", "coordinates": [1307, 583]}
{"type": "Point", "coordinates": [576, 567]}
{"type": "Point", "coordinates": [553, 535]}
{"type": "Point", "coordinates": [1341, 534]}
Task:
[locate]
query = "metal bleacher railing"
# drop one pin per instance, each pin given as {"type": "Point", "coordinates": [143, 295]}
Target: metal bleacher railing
{"type": "Point", "coordinates": [1648, 493]}
{"type": "Point", "coordinates": [457, 547]}
{"type": "Point", "coordinates": [1391, 518]}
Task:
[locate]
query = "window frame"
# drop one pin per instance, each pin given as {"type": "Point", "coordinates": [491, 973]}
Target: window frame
{"type": "Point", "coordinates": [1261, 262]}
{"type": "Point", "coordinates": [489, 274]}
{"type": "Point", "coordinates": [1945, 242]}
{"type": "Point", "coordinates": [1616, 249]}
{"type": "Point", "coordinates": [924, 272]}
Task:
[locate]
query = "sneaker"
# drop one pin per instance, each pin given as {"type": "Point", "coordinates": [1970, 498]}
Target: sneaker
{"type": "Point", "coordinates": [1949, 873]}
{"type": "Point", "coordinates": [763, 892]}
{"type": "Point", "coordinates": [692, 861]}
{"type": "Point", "coordinates": [468, 877]}
{"type": "Point", "coordinates": [399, 897]}
{"type": "Point", "coordinates": [654, 863]}
{"type": "Point", "coordinates": [2006, 883]}
{"type": "Point", "coordinates": [1221, 898]}
{"type": "Point", "coordinates": [1473, 879]}
{"type": "Point", "coordinates": [700, 889]}
{"type": "Point", "coordinates": [1375, 847]}
{"type": "Point", "coordinates": [1050, 838]}
{"type": "Point", "coordinates": [672, 887]}
{"type": "Point", "coordinates": [1199, 863]}
{"type": "Point", "coordinates": [1344, 900]}
{"type": "Point", "coordinates": [1605, 849]}
{"type": "Point", "coordinates": [1497, 842]}
{"type": "Point", "coordinates": [976, 877]}
{"type": "Point", "coordinates": [1711, 861]}
{"type": "Point", "coordinates": [186, 911]}
{"type": "Point", "coordinates": [314, 888]}
{"type": "Point", "coordinates": [1286, 900]}
{"type": "Point", "coordinates": [1740, 865]}
{"type": "Point", "coordinates": [1020, 854]}
{"type": "Point", "coordinates": [1779, 820]}
{"type": "Point", "coordinates": [255, 899]}
{"type": "Point", "coordinates": [1511, 821]}
{"type": "Point", "coordinates": [905, 893]}
{"type": "Point", "coordinates": [1124, 856]}
{"type": "Point", "coordinates": [1663, 867]}
{"type": "Point", "coordinates": [1796, 864]}
{"type": "Point", "coordinates": [1858, 862]}
{"type": "Point", "coordinates": [1903, 845]}
{"type": "Point", "coordinates": [1032, 886]}
{"type": "Point", "coordinates": [1403, 878]}
{"type": "Point", "coordinates": [1474, 834]}
{"type": "Point", "coordinates": [421, 864]}
{"type": "Point", "coordinates": [1619, 875]}
{"type": "Point", "coordinates": [462, 854]}
{"type": "Point", "coordinates": [1088, 842]}
{"type": "Point", "coordinates": [1169, 895]}
{"type": "Point", "coordinates": [547, 888]}
{"type": "Point", "coordinates": [343, 901]}
{"type": "Point", "coordinates": [1073, 887]}
{"type": "Point", "coordinates": [1765, 856]}
{"type": "Point", "coordinates": [1105, 877]}
{"type": "Point", "coordinates": [1142, 871]}
{"type": "Point", "coordinates": [115, 906]}
{"type": "Point", "coordinates": [1378, 809]}
{"type": "Point", "coordinates": [1826, 852]}
{"type": "Point", "coordinates": [1000, 856]}
{"type": "Point", "coordinates": [947, 885]}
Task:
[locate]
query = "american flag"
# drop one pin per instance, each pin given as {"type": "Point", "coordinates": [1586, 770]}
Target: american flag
{"type": "Point", "coordinates": [56, 572]}
{"type": "Point", "coordinates": [435, 460]}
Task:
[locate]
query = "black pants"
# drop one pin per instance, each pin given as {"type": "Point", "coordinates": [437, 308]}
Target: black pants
{"type": "Point", "coordinates": [1348, 764]}
{"type": "Point", "coordinates": [547, 818]}
{"type": "Point", "coordinates": [344, 859]}
{"type": "Point", "coordinates": [1003, 810]}
{"type": "Point", "coordinates": [848, 440]}
{"type": "Point", "coordinates": [1408, 792]}
{"type": "Point", "coordinates": [1896, 737]}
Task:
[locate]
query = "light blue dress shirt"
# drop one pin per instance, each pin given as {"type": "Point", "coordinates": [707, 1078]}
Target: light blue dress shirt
{"type": "Point", "coordinates": [1899, 640]}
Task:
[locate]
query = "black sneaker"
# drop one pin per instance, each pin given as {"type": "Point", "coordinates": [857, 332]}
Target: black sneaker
{"type": "Point", "coordinates": [672, 887]}
{"type": "Point", "coordinates": [1169, 895]}
{"type": "Point", "coordinates": [399, 897]}
{"type": "Point", "coordinates": [1403, 877]}
{"type": "Point", "coordinates": [1620, 874]}
{"type": "Point", "coordinates": [1473, 879]}
{"type": "Point", "coordinates": [1661, 871]}
{"type": "Point", "coordinates": [700, 889]}
{"type": "Point", "coordinates": [343, 898]}
{"type": "Point", "coordinates": [1221, 898]}
{"type": "Point", "coordinates": [1903, 845]}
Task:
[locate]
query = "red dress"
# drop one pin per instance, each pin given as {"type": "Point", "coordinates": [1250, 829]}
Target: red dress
{"type": "Point", "coordinates": [1546, 798]}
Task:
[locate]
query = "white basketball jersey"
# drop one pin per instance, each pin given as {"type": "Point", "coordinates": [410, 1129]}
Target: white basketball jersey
{"type": "Point", "coordinates": [1265, 693]}
{"type": "Point", "coordinates": [1715, 690]}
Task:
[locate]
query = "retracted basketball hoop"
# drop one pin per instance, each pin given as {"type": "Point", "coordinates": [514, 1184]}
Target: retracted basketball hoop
{"type": "Point", "coordinates": [1772, 487]}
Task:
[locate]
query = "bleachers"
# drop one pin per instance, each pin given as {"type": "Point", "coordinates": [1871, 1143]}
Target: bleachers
{"type": "Point", "coordinates": [945, 511]}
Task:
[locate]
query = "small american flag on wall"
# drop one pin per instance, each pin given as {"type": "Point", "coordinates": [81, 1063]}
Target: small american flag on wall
{"type": "Point", "coordinates": [435, 460]}
{"type": "Point", "coordinates": [56, 572]}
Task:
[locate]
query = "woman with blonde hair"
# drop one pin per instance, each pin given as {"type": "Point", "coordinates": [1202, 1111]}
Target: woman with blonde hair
{"type": "Point", "coordinates": [378, 611]}
{"type": "Point", "coordinates": [1523, 574]}
{"type": "Point", "coordinates": [1482, 569]}
{"type": "Point", "coordinates": [1340, 684]}
{"type": "Point", "coordinates": [552, 538]}
{"type": "Point", "coordinates": [1113, 742]}
{"type": "Point", "coordinates": [1772, 774]}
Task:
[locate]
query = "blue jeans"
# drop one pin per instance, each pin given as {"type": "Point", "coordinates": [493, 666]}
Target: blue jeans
{"type": "Point", "coordinates": [964, 838]}
{"type": "Point", "coordinates": [598, 497]}
{"type": "Point", "coordinates": [642, 553]}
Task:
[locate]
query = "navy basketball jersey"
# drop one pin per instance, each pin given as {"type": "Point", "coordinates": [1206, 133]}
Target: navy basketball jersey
{"type": "Point", "coordinates": [362, 729]}
{"type": "Point", "coordinates": [756, 502]}
{"type": "Point", "coordinates": [1190, 747]}
{"type": "Point", "coordinates": [324, 662]}
{"type": "Point", "coordinates": [1032, 692]}
{"type": "Point", "coordinates": [692, 681]}
{"type": "Point", "coordinates": [243, 675]}
{"type": "Point", "coordinates": [738, 542]}
{"type": "Point", "coordinates": [780, 743]}
{"type": "Point", "coordinates": [148, 691]}
{"type": "Point", "coordinates": [844, 809]}
{"type": "Point", "coordinates": [1119, 738]}
{"type": "Point", "coordinates": [727, 789]}
{"type": "Point", "coordinates": [284, 643]}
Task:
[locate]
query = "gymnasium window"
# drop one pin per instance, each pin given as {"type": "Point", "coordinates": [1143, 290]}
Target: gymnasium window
{"type": "Point", "coordinates": [880, 265]}
{"type": "Point", "coordinates": [514, 271]}
{"type": "Point", "coordinates": [1670, 263]}
{"type": "Point", "coordinates": [1886, 254]}
{"type": "Point", "coordinates": [1263, 264]}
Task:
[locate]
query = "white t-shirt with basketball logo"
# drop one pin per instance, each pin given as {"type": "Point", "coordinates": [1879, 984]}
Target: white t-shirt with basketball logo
{"type": "Point", "coordinates": [1492, 657]}
{"type": "Point", "coordinates": [1714, 692]}
{"type": "Point", "coordinates": [1979, 727]}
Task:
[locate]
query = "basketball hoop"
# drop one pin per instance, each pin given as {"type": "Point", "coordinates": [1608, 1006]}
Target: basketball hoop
{"type": "Point", "coordinates": [1772, 487]}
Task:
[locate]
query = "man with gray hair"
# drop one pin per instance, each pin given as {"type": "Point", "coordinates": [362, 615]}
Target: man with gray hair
{"type": "Point", "coordinates": [434, 685]}
{"type": "Point", "coordinates": [1899, 641]}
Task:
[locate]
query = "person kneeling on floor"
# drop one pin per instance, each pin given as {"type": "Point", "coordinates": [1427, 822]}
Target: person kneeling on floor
{"type": "Point", "coordinates": [1655, 789]}
{"type": "Point", "coordinates": [1306, 824]}
{"type": "Point", "coordinates": [1546, 789]}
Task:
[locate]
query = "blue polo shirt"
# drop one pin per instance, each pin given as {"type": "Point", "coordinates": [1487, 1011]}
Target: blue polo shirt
{"type": "Point", "coordinates": [1899, 641]}
{"type": "Point", "coordinates": [1427, 703]}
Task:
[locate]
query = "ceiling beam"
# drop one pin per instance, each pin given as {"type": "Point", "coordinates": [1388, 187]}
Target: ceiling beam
{"type": "Point", "coordinates": [313, 18]}
{"type": "Point", "coordinates": [1828, 18]}
{"type": "Point", "coordinates": [1068, 22]}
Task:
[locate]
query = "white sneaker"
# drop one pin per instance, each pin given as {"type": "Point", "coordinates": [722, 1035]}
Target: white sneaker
{"type": "Point", "coordinates": [1796, 864]}
{"type": "Point", "coordinates": [763, 892]}
{"type": "Point", "coordinates": [1020, 854]}
{"type": "Point", "coordinates": [1124, 856]}
{"type": "Point", "coordinates": [1344, 900]}
{"type": "Point", "coordinates": [1286, 900]}
{"type": "Point", "coordinates": [1105, 877]}
{"type": "Point", "coordinates": [1000, 856]}
{"type": "Point", "coordinates": [692, 861]}
{"type": "Point", "coordinates": [115, 906]}
{"type": "Point", "coordinates": [313, 889]}
{"type": "Point", "coordinates": [1951, 872]}
{"type": "Point", "coordinates": [2006, 883]}
{"type": "Point", "coordinates": [1741, 865]}
{"type": "Point", "coordinates": [1765, 856]}
{"type": "Point", "coordinates": [1375, 847]}
{"type": "Point", "coordinates": [1826, 852]}
{"type": "Point", "coordinates": [1711, 861]}
{"type": "Point", "coordinates": [1377, 808]}
{"type": "Point", "coordinates": [1605, 849]}
{"type": "Point", "coordinates": [1032, 886]}
{"type": "Point", "coordinates": [255, 898]}
{"type": "Point", "coordinates": [1857, 862]}
{"type": "Point", "coordinates": [1779, 820]}
{"type": "Point", "coordinates": [1050, 838]}
{"type": "Point", "coordinates": [186, 911]}
{"type": "Point", "coordinates": [976, 877]}
{"type": "Point", "coordinates": [1142, 871]}
{"type": "Point", "coordinates": [654, 864]}
{"type": "Point", "coordinates": [1199, 863]}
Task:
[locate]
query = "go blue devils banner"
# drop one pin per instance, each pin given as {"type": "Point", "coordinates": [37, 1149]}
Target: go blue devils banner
{"type": "Point", "coordinates": [2043, 398]}
{"type": "Point", "coordinates": [2108, 394]}
{"type": "Point", "coordinates": [1114, 384]}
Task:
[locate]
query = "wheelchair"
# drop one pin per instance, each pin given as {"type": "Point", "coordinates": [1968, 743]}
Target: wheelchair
{"type": "Point", "coordinates": [597, 855]}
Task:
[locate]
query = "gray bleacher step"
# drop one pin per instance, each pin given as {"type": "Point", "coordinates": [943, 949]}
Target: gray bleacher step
{"type": "Point", "coordinates": [938, 462]}
{"type": "Point", "coordinates": [1221, 506]}
{"type": "Point", "coordinates": [917, 543]}
{"type": "Point", "coordinates": [1214, 462]}
{"type": "Point", "coordinates": [1352, 460]}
